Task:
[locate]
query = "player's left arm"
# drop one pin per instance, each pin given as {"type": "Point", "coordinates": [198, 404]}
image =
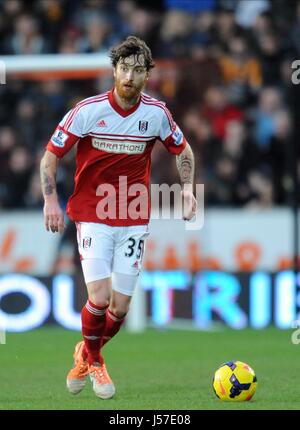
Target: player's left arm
{"type": "Point", "coordinates": [175, 142]}
{"type": "Point", "coordinates": [186, 167]}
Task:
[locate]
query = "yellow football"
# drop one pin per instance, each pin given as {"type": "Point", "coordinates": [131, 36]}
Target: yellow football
{"type": "Point", "coordinates": [234, 381]}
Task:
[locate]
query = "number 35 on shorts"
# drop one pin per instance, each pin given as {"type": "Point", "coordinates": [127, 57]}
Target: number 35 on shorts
{"type": "Point", "coordinates": [134, 251]}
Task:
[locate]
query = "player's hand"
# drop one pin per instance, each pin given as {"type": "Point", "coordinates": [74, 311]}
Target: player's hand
{"type": "Point", "coordinates": [189, 204]}
{"type": "Point", "coordinates": [54, 217]}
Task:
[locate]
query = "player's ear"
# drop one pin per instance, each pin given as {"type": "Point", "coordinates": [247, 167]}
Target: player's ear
{"type": "Point", "coordinates": [114, 72]}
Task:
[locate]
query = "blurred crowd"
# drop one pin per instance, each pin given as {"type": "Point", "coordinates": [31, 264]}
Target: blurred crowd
{"type": "Point", "coordinates": [223, 68]}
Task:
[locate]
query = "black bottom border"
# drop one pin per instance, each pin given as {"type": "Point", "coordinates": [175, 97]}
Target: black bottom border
{"type": "Point", "coordinates": [149, 418]}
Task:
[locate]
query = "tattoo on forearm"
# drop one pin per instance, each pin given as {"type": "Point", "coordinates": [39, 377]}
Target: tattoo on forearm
{"type": "Point", "coordinates": [47, 185]}
{"type": "Point", "coordinates": [185, 166]}
{"type": "Point", "coordinates": [47, 180]}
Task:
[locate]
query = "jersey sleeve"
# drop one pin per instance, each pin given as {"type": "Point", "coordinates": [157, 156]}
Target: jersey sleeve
{"type": "Point", "coordinates": [68, 132]}
{"type": "Point", "coordinates": [171, 135]}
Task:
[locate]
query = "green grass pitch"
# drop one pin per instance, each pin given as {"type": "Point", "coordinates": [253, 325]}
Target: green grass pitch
{"type": "Point", "coordinates": [159, 369]}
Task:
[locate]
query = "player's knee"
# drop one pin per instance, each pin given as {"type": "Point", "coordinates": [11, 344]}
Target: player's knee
{"type": "Point", "coordinates": [98, 301]}
{"type": "Point", "coordinates": [99, 293]}
{"type": "Point", "coordinates": [119, 311]}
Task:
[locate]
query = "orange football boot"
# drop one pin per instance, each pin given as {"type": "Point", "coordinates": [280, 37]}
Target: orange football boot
{"type": "Point", "coordinates": [102, 384]}
{"type": "Point", "coordinates": [76, 378]}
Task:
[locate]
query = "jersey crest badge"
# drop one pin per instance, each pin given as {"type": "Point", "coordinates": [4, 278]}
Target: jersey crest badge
{"type": "Point", "coordinates": [143, 126]}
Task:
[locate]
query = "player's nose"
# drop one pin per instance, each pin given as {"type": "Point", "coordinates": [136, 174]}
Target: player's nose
{"type": "Point", "coordinates": [129, 75]}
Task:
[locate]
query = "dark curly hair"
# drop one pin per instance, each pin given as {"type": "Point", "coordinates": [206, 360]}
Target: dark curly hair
{"type": "Point", "coordinates": [132, 46]}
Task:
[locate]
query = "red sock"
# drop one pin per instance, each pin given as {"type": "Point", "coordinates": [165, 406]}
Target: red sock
{"type": "Point", "coordinates": [93, 319]}
{"type": "Point", "coordinates": [113, 325]}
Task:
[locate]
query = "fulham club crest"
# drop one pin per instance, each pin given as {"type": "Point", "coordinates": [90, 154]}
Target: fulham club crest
{"type": "Point", "coordinates": [87, 241]}
{"type": "Point", "coordinates": [143, 126]}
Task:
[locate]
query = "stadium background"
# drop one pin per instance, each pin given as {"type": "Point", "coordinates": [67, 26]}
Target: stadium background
{"type": "Point", "coordinates": [224, 69]}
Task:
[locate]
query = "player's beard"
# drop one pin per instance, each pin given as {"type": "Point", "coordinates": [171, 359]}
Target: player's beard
{"type": "Point", "coordinates": [129, 94]}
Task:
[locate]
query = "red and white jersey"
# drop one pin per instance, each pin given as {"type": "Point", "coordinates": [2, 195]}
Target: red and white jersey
{"type": "Point", "coordinates": [113, 143]}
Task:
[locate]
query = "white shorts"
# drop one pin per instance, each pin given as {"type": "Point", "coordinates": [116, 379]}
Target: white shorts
{"type": "Point", "coordinates": [105, 250]}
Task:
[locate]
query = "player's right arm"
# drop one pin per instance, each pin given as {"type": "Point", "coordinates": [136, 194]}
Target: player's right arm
{"type": "Point", "coordinates": [66, 135]}
{"type": "Point", "coordinates": [53, 214]}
